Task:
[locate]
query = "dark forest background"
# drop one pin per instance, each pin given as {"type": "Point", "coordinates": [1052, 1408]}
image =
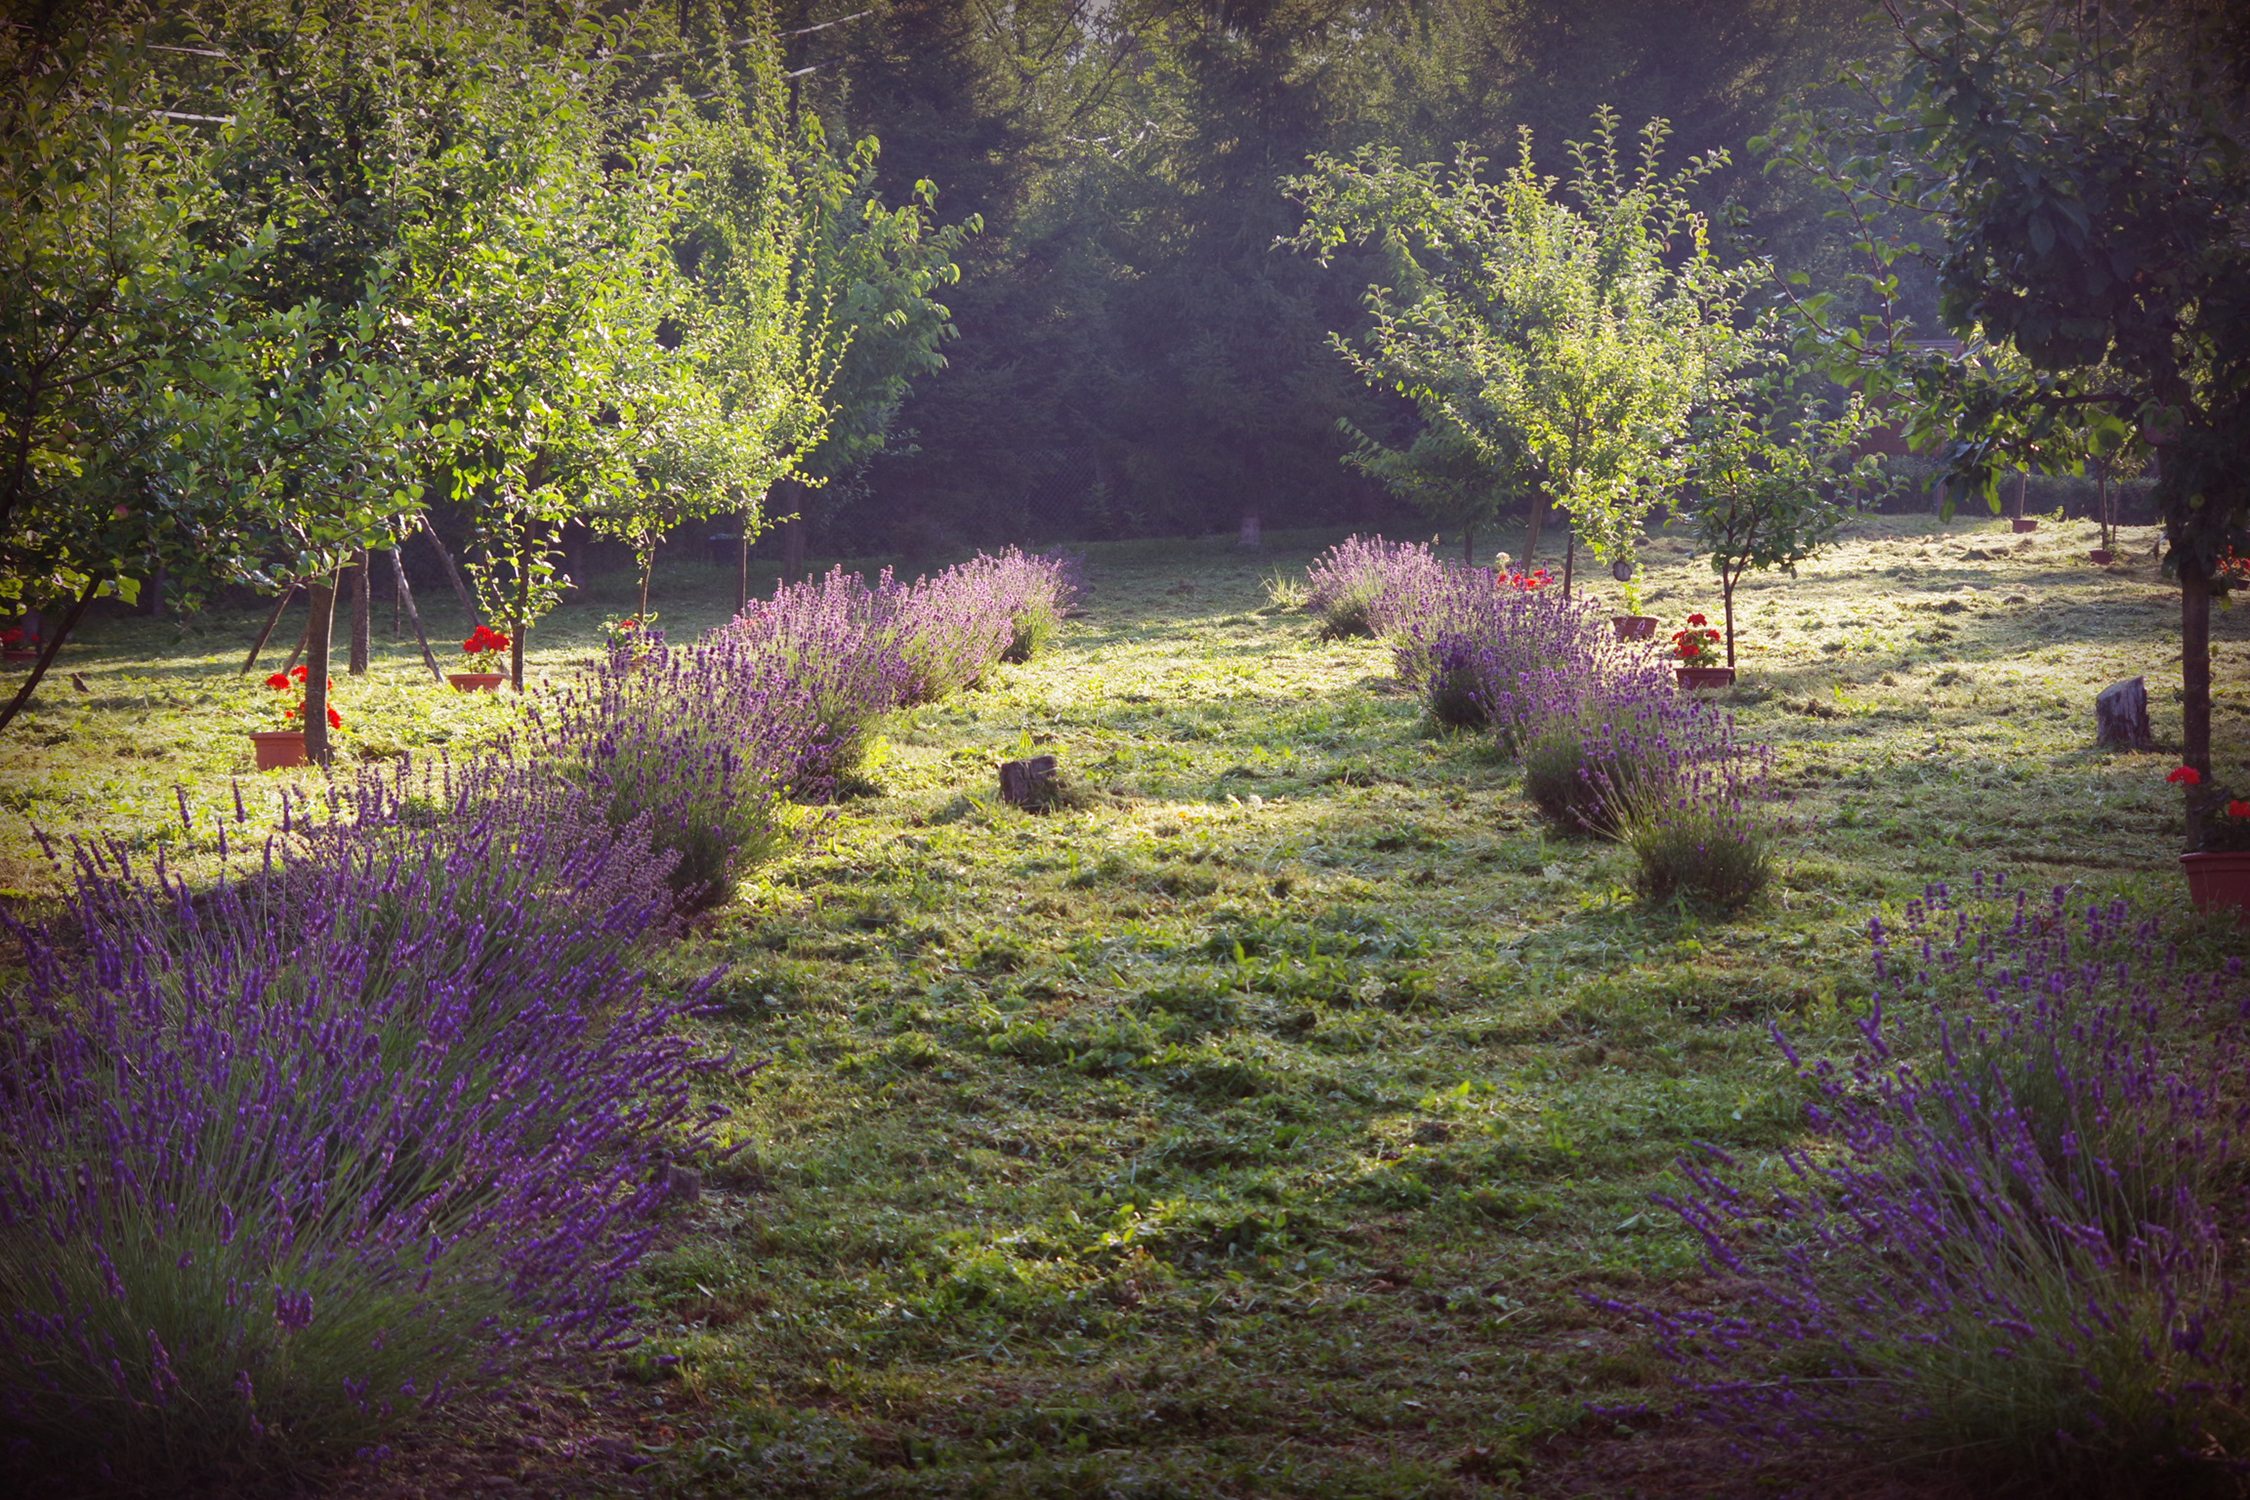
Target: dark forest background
{"type": "Point", "coordinates": [1135, 356]}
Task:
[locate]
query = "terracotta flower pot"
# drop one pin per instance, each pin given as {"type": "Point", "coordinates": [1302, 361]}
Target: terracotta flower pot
{"type": "Point", "coordinates": [1696, 678]}
{"type": "Point", "coordinates": [476, 682]}
{"type": "Point", "coordinates": [278, 748]}
{"type": "Point", "coordinates": [19, 658]}
{"type": "Point", "coordinates": [1633, 627]}
{"type": "Point", "coordinates": [2219, 881]}
{"type": "Point", "coordinates": [2023, 524]}
{"type": "Point", "coordinates": [2101, 556]}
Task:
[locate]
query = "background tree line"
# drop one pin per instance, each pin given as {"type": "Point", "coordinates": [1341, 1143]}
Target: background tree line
{"type": "Point", "coordinates": [1137, 356]}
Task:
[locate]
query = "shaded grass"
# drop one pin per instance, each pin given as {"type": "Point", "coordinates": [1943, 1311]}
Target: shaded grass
{"type": "Point", "coordinates": [1255, 1124]}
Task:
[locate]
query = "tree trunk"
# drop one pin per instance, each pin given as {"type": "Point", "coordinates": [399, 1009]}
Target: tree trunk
{"type": "Point", "coordinates": [742, 567]}
{"type": "Point", "coordinates": [2195, 681]}
{"type": "Point", "coordinates": [793, 542]}
{"type": "Point", "coordinates": [1469, 544]}
{"type": "Point", "coordinates": [258, 646]}
{"type": "Point", "coordinates": [363, 608]}
{"type": "Point", "coordinates": [648, 570]}
{"type": "Point", "coordinates": [1531, 541]}
{"type": "Point", "coordinates": [53, 644]}
{"type": "Point", "coordinates": [523, 609]}
{"type": "Point", "coordinates": [1726, 603]}
{"type": "Point", "coordinates": [1569, 561]}
{"type": "Point", "coordinates": [318, 633]}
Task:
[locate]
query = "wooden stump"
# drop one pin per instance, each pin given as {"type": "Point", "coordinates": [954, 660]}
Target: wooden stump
{"type": "Point", "coordinates": [2121, 716]}
{"type": "Point", "coordinates": [1028, 783]}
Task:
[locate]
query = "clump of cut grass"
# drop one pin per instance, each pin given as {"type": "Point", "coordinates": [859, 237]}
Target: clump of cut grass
{"type": "Point", "coordinates": [1286, 593]}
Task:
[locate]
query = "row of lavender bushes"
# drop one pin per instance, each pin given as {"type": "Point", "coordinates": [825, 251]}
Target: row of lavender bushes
{"type": "Point", "coordinates": [2014, 1237]}
{"type": "Point", "coordinates": [1608, 745]}
{"type": "Point", "coordinates": [384, 1112]}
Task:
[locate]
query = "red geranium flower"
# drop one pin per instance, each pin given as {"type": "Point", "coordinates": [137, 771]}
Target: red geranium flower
{"type": "Point", "coordinates": [2186, 776]}
{"type": "Point", "coordinates": [2238, 808]}
{"type": "Point", "coordinates": [1697, 620]}
{"type": "Point", "coordinates": [12, 637]}
{"type": "Point", "coordinates": [279, 682]}
{"type": "Point", "coordinates": [300, 673]}
{"type": "Point", "coordinates": [335, 719]}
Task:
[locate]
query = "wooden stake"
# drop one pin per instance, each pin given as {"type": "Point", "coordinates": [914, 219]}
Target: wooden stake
{"type": "Point", "coordinates": [453, 576]}
{"type": "Point", "coordinates": [363, 603]}
{"type": "Point", "coordinates": [405, 595]}
{"type": "Point", "coordinates": [258, 646]}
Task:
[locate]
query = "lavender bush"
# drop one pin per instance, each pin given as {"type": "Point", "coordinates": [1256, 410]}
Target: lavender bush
{"type": "Point", "coordinates": [702, 746]}
{"type": "Point", "coordinates": [2015, 1239]}
{"type": "Point", "coordinates": [1367, 585]}
{"type": "Point", "coordinates": [953, 625]}
{"type": "Point", "coordinates": [1491, 649]}
{"type": "Point", "coordinates": [284, 1161]}
{"type": "Point", "coordinates": [830, 637]}
{"type": "Point", "coordinates": [1599, 766]}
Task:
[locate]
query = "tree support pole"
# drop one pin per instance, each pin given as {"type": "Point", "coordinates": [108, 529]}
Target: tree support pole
{"type": "Point", "coordinates": [2195, 683]}
{"type": "Point", "coordinates": [47, 654]}
{"type": "Point", "coordinates": [363, 609]}
{"type": "Point", "coordinates": [453, 575]}
{"type": "Point", "coordinates": [405, 596]}
{"type": "Point", "coordinates": [258, 646]}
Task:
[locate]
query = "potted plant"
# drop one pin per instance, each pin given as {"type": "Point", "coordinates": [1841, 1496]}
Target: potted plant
{"type": "Point", "coordinates": [284, 745]}
{"type": "Point", "coordinates": [480, 657]}
{"type": "Point", "coordinates": [18, 644]}
{"type": "Point", "coordinates": [2218, 867]}
{"type": "Point", "coordinates": [1698, 648]}
{"type": "Point", "coordinates": [1632, 625]}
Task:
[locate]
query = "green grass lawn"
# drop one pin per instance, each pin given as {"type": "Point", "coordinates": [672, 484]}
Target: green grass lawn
{"type": "Point", "coordinates": [1258, 1123]}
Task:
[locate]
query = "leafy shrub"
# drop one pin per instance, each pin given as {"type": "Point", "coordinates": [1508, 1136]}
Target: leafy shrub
{"type": "Point", "coordinates": [285, 1161]}
{"type": "Point", "coordinates": [2016, 1238]}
